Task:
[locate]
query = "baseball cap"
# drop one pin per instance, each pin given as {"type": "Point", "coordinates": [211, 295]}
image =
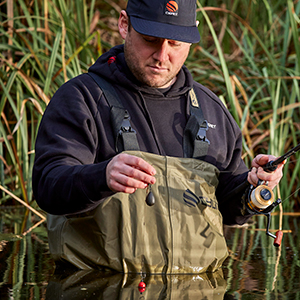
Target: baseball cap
{"type": "Point", "coordinates": [168, 19]}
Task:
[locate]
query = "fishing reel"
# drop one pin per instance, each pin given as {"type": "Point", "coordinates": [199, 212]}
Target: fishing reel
{"type": "Point", "coordinates": [260, 200]}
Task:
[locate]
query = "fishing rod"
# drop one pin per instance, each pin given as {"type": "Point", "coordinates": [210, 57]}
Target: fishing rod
{"type": "Point", "coordinates": [260, 199]}
{"type": "Point", "coordinates": [272, 165]}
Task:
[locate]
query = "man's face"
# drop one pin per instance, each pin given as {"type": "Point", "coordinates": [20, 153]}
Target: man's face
{"type": "Point", "coordinates": [154, 61]}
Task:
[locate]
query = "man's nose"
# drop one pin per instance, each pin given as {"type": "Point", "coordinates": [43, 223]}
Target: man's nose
{"type": "Point", "coordinates": [162, 52]}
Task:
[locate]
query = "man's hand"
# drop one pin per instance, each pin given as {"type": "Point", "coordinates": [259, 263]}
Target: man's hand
{"type": "Point", "coordinates": [127, 173]}
{"type": "Point", "coordinates": [257, 171]}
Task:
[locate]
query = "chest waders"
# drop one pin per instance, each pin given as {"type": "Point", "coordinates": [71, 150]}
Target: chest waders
{"type": "Point", "coordinates": [181, 233]}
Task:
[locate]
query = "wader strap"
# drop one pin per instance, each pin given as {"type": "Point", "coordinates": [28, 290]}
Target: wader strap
{"type": "Point", "coordinates": [125, 135]}
{"type": "Point", "coordinates": [195, 142]}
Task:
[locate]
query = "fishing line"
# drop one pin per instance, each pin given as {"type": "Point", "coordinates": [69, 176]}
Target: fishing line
{"type": "Point", "coordinates": [290, 195]}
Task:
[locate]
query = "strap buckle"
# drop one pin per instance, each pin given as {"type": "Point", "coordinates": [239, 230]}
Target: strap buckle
{"type": "Point", "coordinates": [201, 135]}
{"type": "Point", "coordinates": [126, 126]}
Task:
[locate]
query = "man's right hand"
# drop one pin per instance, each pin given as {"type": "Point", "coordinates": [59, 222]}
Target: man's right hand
{"type": "Point", "coordinates": [127, 173]}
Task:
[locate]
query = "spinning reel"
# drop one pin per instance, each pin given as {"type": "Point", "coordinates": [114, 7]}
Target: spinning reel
{"type": "Point", "coordinates": [260, 200]}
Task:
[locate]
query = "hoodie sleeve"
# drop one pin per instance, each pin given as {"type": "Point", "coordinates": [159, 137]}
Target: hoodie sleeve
{"type": "Point", "coordinates": [66, 175]}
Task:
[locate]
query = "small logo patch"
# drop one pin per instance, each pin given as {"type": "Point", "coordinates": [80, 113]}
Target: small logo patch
{"type": "Point", "coordinates": [111, 60]}
{"type": "Point", "coordinates": [171, 8]}
{"type": "Point", "coordinates": [194, 100]}
{"type": "Point", "coordinates": [192, 200]}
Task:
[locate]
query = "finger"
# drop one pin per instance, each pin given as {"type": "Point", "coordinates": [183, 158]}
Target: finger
{"type": "Point", "coordinates": [138, 169]}
{"type": "Point", "coordinates": [261, 160]}
{"type": "Point", "coordinates": [124, 177]}
{"type": "Point", "coordinates": [252, 176]}
{"type": "Point", "coordinates": [136, 179]}
{"type": "Point", "coordinates": [139, 164]}
{"type": "Point", "coordinates": [124, 173]}
{"type": "Point", "coordinates": [138, 175]}
{"type": "Point", "coordinates": [273, 178]}
{"type": "Point", "coordinates": [118, 187]}
{"type": "Point", "coordinates": [120, 182]}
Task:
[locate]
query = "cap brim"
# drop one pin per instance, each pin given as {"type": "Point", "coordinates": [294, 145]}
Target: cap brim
{"type": "Point", "coordinates": [166, 31]}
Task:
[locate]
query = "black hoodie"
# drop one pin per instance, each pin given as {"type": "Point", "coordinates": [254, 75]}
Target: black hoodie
{"type": "Point", "coordinates": [75, 140]}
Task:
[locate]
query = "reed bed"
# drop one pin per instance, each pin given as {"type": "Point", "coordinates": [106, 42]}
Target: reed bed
{"type": "Point", "coordinates": [249, 56]}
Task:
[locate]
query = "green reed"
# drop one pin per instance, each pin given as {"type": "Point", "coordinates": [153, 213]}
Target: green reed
{"type": "Point", "coordinates": [249, 56]}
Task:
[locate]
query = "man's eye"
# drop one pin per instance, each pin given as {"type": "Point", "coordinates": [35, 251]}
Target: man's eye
{"type": "Point", "coordinates": [150, 40]}
{"type": "Point", "coordinates": [175, 43]}
{"type": "Point", "coordinates": [154, 40]}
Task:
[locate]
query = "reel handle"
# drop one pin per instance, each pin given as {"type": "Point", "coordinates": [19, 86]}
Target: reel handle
{"type": "Point", "coordinates": [278, 238]}
{"type": "Point", "coordinates": [258, 205]}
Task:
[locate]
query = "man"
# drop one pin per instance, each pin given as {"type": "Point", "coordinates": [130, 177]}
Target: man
{"type": "Point", "coordinates": [180, 145]}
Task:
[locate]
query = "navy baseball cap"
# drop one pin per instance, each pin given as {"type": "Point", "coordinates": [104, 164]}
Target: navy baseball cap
{"type": "Point", "coordinates": [168, 19]}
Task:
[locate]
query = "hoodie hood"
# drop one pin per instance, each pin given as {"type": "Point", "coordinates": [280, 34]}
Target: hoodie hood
{"type": "Point", "coordinates": [112, 66]}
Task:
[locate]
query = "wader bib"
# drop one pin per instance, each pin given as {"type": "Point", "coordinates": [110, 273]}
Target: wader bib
{"type": "Point", "coordinates": [181, 233]}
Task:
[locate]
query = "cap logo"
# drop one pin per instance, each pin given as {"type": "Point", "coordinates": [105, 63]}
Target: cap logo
{"type": "Point", "coordinates": [171, 8]}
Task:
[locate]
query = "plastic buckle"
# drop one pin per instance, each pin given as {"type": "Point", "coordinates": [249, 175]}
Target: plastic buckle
{"type": "Point", "coordinates": [201, 135]}
{"type": "Point", "coordinates": [126, 126]}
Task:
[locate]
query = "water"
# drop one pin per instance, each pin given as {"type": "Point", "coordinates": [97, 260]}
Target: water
{"type": "Point", "coordinates": [258, 270]}
{"type": "Point", "coordinates": [255, 269]}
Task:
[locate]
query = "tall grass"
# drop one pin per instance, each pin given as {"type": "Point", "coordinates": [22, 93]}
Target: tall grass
{"type": "Point", "coordinates": [249, 55]}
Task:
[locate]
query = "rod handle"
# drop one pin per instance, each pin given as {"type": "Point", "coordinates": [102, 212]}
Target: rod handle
{"type": "Point", "coordinates": [278, 239]}
{"type": "Point", "coordinates": [270, 166]}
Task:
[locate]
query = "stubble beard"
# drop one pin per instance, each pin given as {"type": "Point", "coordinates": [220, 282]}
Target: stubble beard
{"type": "Point", "coordinates": [142, 76]}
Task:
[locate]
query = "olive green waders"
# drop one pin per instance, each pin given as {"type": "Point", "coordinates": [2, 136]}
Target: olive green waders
{"type": "Point", "coordinates": [181, 233]}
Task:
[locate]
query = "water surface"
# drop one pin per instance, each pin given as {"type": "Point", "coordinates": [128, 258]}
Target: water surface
{"type": "Point", "coordinates": [255, 269]}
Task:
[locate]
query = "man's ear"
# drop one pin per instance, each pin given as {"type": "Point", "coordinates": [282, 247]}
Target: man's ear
{"type": "Point", "coordinates": [123, 24]}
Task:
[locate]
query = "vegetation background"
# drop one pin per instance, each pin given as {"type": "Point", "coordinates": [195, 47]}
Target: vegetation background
{"type": "Point", "coordinates": [249, 55]}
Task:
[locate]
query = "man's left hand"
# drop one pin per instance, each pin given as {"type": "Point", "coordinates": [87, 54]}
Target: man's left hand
{"type": "Point", "coordinates": [257, 171]}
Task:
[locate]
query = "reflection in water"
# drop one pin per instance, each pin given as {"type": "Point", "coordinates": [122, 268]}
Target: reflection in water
{"type": "Point", "coordinates": [86, 284]}
{"type": "Point", "coordinates": [258, 270]}
{"type": "Point", "coordinates": [25, 263]}
{"type": "Point", "coordinates": [255, 269]}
